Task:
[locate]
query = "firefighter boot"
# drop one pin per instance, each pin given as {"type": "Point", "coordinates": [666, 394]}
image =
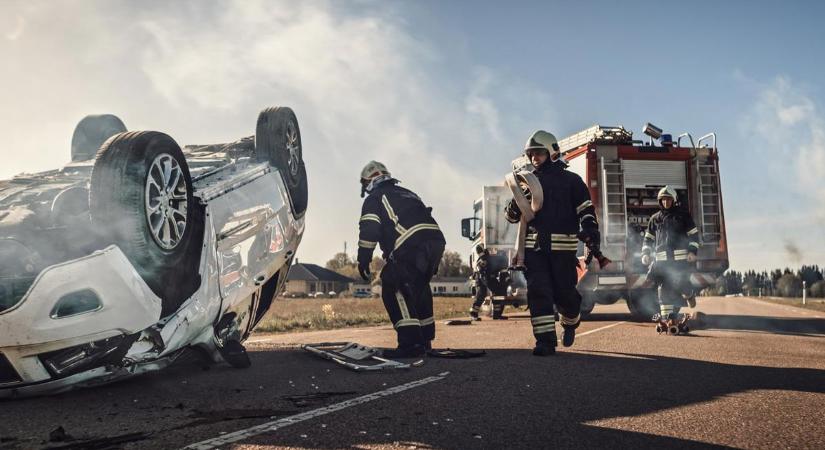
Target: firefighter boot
{"type": "Point", "coordinates": [498, 310]}
{"type": "Point", "coordinates": [411, 351]}
{"type": "Point", "coordinates": [474, 316]}
{"type": "Point", "coordinates": [544, 348]}
{"type": "Point", "coordinates": [569, 336]}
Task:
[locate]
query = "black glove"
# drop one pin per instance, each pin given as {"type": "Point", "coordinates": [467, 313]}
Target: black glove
{"type": "Point", "coordinates": [590, 236]}
{"type": "Point", "coordinates": [364, 270]}
{"type": "Point", "coordinates": [512, 212]}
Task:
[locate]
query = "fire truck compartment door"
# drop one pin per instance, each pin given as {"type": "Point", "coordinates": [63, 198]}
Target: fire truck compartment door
{"type": "Point", "coordinates": [641, 173]}
{"type": "Point", "coordinates": [497, 231]}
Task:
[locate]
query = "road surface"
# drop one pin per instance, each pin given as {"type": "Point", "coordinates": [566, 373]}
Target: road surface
{"type": "Point", "coordinates": [753, 377]}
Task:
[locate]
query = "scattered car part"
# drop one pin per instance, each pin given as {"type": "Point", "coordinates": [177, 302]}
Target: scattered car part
{"type": "Point", "coordinates": [455, 354]}
{"type": "Point", "coordinates": [353, 356]}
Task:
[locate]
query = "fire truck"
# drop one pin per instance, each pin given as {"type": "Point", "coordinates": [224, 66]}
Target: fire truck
{"type": "Point", "coordinates": [624, 176]}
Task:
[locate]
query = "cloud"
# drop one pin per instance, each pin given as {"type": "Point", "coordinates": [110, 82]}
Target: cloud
{"type": "Point", "coordinates": [363, 84]}
{"type": "Point", "coordinates": [776, 217]}
{"type": "Point", "coordinates": [14, 32]}
{"type": "Point", "coordinates": [791, 126]}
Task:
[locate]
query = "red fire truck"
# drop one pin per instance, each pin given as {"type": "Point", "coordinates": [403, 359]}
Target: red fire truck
{"type": "Point", "coordinates": [624, 176]}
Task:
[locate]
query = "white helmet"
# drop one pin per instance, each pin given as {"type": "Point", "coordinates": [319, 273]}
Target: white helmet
{"type": "Point", "coordinates": [542, 140]}
{"type": "Point", "coordinates": [667, 191]}
{"type": "Point", "coordinates": [371, 171]}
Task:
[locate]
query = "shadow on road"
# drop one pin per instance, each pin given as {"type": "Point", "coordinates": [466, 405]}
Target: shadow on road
{"type": "Point", "coordinates": [775, 325]}
{"type": "Point", "coordinates": [514, 400]}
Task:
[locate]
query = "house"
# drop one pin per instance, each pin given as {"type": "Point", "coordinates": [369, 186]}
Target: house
{"type": "Point", "coordinates": [308, 278]}
{"type": "Point", "coordinates": [451, 286]}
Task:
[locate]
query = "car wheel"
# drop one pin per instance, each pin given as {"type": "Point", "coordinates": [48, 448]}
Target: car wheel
{"type": "Point", "coordinates": [91, 132]}
{"type": "Point", "coordinates": [141, 200]}
{"type": "Point", "coordinates": [278, 141]}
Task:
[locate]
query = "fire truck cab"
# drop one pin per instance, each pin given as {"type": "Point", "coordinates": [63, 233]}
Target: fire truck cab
{"type": "Point", "coordinates": [624, 176]}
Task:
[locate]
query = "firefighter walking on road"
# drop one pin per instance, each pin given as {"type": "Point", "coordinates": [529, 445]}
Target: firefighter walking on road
{"type": "Point", "coordinates": [670, 244]}
{"type": "Point", "coordinates": [481, 276]}
{"type": "Point", "coordinates": [412, 244]}
{"type": "Point", "coordinates": [566, 217]}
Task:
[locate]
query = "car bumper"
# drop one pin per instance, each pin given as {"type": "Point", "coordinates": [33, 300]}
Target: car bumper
{"type": "Point", "coordinates": [37, 325]}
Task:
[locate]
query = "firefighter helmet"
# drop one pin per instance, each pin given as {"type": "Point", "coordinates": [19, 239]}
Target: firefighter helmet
{"type": "Point", "coordinates": [542, 140]}
{"type": "Point", "coordinates": [373, 169]}
{"type": "Point", "coordinates": [370, 172]}
{"type": "Point", "coordinates": [667, 191]}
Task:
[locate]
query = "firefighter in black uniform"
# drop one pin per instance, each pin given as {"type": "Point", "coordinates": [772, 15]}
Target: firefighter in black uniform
{"type": "Point", "coordinates": [481, 276]}
{"type": "Point", "coordinates": [412, 244]}
{"type": "Point", "coordinates": [671, 239]}
{"type": "Point", "coordinates": [566, 217]}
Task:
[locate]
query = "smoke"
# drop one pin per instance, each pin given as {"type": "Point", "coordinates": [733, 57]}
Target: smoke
{"type": "Point", "coordinates": [794, 253]}
{"type": "Point", "coordinates": [364, 86]}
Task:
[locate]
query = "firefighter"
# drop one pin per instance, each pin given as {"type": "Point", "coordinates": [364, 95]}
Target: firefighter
{"type": "Point", "coordinates": [672, 235]}
{"type": "Point", "coordinates": [412, 244]}
{"type": "Point", "coordinates": [552, 241]}
{"type": "Point", "coordinates": [481, 277]}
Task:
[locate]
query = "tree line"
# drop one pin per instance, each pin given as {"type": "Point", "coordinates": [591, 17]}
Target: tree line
{"type": "Point", "coordinates": [775, 283]}
{"type": "Point", "coordinates": [451, 266]}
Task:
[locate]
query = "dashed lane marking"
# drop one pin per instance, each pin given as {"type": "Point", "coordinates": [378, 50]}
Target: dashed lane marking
{"type": "Point", "coordinates": [298, 418]}
{"type": "Point", "coordinates": [602, 328]}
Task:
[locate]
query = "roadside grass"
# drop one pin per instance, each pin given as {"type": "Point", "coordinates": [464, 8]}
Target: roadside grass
{"type": "Point", "coordinates": [817, 304]}
{"type": "Point", "coordinates": [311, 314]}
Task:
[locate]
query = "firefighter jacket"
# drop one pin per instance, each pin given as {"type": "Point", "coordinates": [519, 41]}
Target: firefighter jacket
{"type": "Point", "coordinates": [672, 234]}
{"type": "Point", "coordinates": [397, 219]}
{"type": "Point", "coordinates": [566, 209]}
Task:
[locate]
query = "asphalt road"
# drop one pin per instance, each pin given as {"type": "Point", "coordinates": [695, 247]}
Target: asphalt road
{"type": "Point", "coordinates": [753, 377]}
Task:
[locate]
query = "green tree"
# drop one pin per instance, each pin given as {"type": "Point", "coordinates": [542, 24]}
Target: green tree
{"type": "Point", "coordinates": [817, 289]}
{"type": "Point", "coordinates": [450, 265]}
{"type": "Point", "coordinates": [789, 285]}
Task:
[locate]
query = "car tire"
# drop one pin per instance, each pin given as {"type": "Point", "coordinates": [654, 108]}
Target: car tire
{"type": "Point", "coordinates": [91, 132]}
{"type": "Point", "coordinates": [159, 230]}
{"type": "Point", "coordinates": [278, 141]}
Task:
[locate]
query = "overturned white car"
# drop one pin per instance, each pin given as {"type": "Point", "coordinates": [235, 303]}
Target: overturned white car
{"type": "Point", "coordinates": [138, 250]}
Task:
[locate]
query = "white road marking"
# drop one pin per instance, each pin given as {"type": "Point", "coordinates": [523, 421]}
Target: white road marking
{"type": "Point", "coordinates": [298, 418]}
{"type": "Point", "coordinates": [600, 329]}
{"type": "Point", "coordinates": [597, 329]}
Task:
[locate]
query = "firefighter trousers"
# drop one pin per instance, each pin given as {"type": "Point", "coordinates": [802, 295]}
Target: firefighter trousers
{"type": "Point", "coordinates": [551, 281]}
{"type": "Point", "coordinates": [672, 281]}
{"type": "Point", "coordinates": [481, 294]}
{"type": "Point", "coordinates": [405, 290]}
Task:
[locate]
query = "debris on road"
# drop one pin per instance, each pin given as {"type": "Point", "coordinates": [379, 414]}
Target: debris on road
{"type": "Point", "coordinates": [459, 322]}
{"type": "Point", "coordinates": [305, 399]}
{"type": "Point", "coordinates": [357, 357]}
{"type": "Point", "coordinates": [455, 354]}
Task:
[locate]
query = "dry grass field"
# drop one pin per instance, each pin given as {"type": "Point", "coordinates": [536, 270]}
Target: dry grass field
{"type": "Point", "coordinates": [817, 304]}
{"type": "Point", "coordinates": [305, 314]}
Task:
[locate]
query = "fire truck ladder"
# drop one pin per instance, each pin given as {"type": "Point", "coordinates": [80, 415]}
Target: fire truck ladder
{"type": "Point", "coordinates": [614, 201]}
{"type": "Point", "coordinates": [708, 201]}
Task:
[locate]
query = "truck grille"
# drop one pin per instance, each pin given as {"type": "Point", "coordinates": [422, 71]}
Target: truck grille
{"type": "Point", "coordinates": [7, 373]}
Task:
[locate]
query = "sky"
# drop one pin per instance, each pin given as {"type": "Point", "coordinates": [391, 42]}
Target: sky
{"type": "Point", "coordinates": [443, 92]}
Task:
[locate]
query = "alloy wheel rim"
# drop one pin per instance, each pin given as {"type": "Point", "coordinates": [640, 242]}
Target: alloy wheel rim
{"type": "Point", "coordinates": [166, 204]}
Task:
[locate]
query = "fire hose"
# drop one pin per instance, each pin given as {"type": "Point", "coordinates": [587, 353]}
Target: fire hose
{"type": "Point", "coordinates": [529, 208]}
{"type": "Point", "coordinates": [520, 184]}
